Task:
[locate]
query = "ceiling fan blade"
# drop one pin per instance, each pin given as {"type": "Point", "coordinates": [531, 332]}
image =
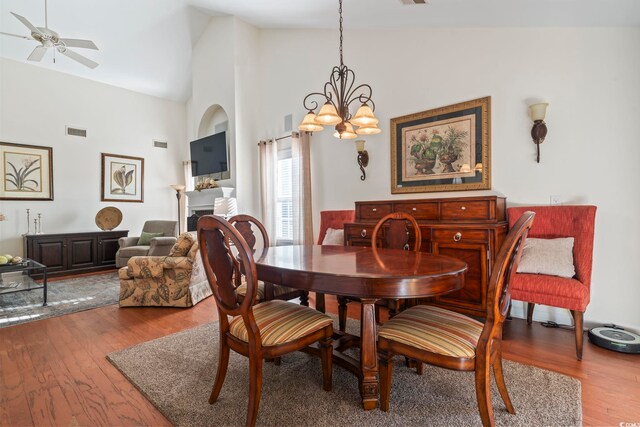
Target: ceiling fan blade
{"type": "Point", "coordinates": [37, 53]}
{"type": "Point", "coordinates": [77, 57]}
{"type": "Point", "coordinates": [26, 22]}
{"type": "Point", "coordinates": [85, 44]}
{"type": "Point", "coordinates": [16, 35]}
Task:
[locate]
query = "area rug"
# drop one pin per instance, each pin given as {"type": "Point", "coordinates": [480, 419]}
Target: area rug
{"type": "Point", "coordinates": [176, 374]}
{"type": "Point", "coordinates": [63, 297]}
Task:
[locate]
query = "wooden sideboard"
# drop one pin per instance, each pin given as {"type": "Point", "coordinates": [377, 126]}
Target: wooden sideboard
{"type": "Point", "coordinates": [72, 253]}
{"type": "Point", "coordinates": [468, 228]}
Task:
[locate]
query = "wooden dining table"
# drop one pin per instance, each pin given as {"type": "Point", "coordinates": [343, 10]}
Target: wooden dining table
{"type": "Point", "coordinates": [369, 274]}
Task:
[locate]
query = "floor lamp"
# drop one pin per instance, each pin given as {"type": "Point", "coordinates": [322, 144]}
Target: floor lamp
{"type": "Point", "coordinates": [178, 189]}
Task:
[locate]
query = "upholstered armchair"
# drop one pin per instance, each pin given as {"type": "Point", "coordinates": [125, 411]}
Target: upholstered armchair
{"type": "Point", "coordinates": [176, 280]}
{"type": "Point", "coordinates": [572, 293]}
{"type": "Point", "coordinates": [160, 245]}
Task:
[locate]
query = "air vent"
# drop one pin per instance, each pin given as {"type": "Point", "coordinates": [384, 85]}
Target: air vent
{"type": "Point", "coordinates": [160, 144]}
{"type": "Point", "coordinates": [288, 123]}
{"type": "Point", "coordinates": [76, 131]}
{"type": "Point", "coordinates": [414, 1]}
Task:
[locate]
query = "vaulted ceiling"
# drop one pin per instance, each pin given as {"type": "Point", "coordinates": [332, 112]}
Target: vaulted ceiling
{"type": "Point", "coordinates": [145, 45]}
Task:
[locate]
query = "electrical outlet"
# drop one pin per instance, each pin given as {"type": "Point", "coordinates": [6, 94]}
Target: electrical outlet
{"type": "Point", "coordinates": [555, 200]}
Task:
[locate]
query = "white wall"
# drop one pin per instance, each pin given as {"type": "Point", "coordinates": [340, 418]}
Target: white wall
{"type": "Point", "coordinates": [35, 106]}
{"type": "Point", "coordinates": [588, 75]}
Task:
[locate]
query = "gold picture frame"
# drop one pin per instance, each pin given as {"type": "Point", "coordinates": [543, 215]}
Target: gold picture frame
{"type": "Point", "coordinates": [443, 149]}
{"type": "Point", "coordinates": [26, 172]}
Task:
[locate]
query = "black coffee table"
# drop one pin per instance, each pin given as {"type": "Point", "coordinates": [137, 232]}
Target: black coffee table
{"type": "Point", "coordinates": [17, 278]}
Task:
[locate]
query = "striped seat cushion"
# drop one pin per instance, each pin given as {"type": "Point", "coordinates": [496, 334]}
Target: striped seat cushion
{"type": "Point", "coordinates": [280, 322]}
{"type": "Point", "coordinates": [277, 290]}
{"type": "Point", "coordinates": [435, 330]}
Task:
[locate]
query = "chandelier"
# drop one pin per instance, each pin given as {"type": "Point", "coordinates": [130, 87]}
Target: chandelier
{"type": "Point", "coordinates": [338, 95]}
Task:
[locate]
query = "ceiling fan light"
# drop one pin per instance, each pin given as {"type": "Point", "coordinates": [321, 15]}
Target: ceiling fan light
{"type": "Point", "coordinates": [309, 123]}
{"type": "Point", "coordinates": [368, 130]}
{"type": "Point", "coordinates": [364, 116]}
{"type": "Point", "coordinates": [347, 133]}
{"type": "Point", "coordinates": [328, 115]}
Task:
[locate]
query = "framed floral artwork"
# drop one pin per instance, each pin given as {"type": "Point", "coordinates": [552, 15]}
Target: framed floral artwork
{"type": "Point", "coordinates": [122, 178]}
{"type": "Point", "coordinates": [444, 149]}
{"type": "Point", "coordinates": [26, 171]}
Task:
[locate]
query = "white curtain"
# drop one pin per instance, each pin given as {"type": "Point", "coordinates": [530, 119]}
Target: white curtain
{"type": "Point", "coordinates": [268, 185]}
{"type": "Point", "coordinates": [301, 189]}
{"type": "Point", "coordinates": [188, 181]}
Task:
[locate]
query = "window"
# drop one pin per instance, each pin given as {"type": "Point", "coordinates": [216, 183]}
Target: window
{"type": "Point", "coordinates": [284, 197]}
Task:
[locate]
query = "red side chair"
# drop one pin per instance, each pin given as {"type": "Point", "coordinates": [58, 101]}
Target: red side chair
{"type": "Point", "coordinates": [335, 220]}
{"type": "Point", "coordinates": [573, 294]}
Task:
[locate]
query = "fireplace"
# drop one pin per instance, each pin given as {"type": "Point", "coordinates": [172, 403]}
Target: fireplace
{"type": "Point", "coordinates": [192, 221]}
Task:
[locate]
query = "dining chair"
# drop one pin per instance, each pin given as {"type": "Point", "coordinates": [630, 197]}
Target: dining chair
{"type": "Point", "coordinates": [395, 236]}
{"type": "Point", "coordinates": [262, 331]}
{"type": "Point", "coordinates": [246, 224]}
{"type": "Point", "coordinates": [572, 293]}
{"type": "Point", "coordinates": [451, 340]}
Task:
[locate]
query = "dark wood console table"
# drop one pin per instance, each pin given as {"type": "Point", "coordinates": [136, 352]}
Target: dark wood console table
{"type": "Point", "coordinates": [69, 253]}
{"type": "Point", "coordinates": [471, 229]}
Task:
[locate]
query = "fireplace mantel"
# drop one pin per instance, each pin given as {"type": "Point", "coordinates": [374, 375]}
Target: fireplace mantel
{"type": "Point", "coordinates": [204, 199]}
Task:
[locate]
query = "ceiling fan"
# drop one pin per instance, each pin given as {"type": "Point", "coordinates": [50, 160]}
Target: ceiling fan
{"type": "Point", "coordinates": [49, 38]}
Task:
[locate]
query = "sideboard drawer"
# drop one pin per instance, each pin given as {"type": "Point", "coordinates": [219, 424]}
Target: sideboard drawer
{"type": "Point", "coordinates": [358, 231]}
{"type": "Point", "coordinates": [373, 211]}
{"type": "Point", "coordinates": [459, 235]}
{"type": "Point", "coordinates": [418, 210]}
{"type": "Point", "coordinates": [469, 210]}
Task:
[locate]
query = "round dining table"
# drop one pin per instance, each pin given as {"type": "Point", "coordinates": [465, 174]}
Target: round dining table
{"type": "Point", "coordinates": [369, 274]}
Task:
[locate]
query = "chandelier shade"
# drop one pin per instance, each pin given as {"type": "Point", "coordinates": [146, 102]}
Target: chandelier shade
{"type": "Point", "coordinates": [328, 115]}
{"type": "Point", "coordinates": [336, 98]}
{"type": "Point", "coordinates": [364, 116]}
{"type": "Point", "coordinates": [346, 133]}
{"type": "Point", "coordinates": [310, 124]}
{"type": "Point", "coordinates": [368, 130]}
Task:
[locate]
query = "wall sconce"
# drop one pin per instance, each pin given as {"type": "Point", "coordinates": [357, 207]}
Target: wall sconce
{"type": "Point", "coordinates": [539, 129]}
{"type": "Point", "coordinates": [363, 157]}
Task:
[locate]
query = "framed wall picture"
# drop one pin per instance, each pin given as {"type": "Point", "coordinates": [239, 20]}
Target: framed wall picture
{"type": "Point", "coordinates": [444, 149]}
{"type": "Point", "coordinates": [122, 178]}
{"type": "Point", "coordinates": [26, 171]}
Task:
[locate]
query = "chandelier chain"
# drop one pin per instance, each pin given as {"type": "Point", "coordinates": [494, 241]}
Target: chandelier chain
{"type": "Point", "coordinates": [340, 12]}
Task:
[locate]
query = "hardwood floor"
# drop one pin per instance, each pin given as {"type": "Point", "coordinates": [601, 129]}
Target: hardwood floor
{"type": "Point", "coordinates": [54, 371]}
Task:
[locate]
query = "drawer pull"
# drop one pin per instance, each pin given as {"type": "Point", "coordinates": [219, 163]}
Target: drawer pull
{"type": "Point", "coordinates": [406, 247]}
{"type": "Point", "coordinates": [464, 208]}
{"type": "Point", "coordinates": [363, 233]}
{"type": "Point", "coordinates": [457, 237]}
{"type": "Point", "coordinates": [374, 209]}
{"type": "Point", "coordinates": [414, 209]}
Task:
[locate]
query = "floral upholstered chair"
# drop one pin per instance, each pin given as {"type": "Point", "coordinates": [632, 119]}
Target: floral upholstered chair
{"type": "Point", "coordinates": [176, 280]}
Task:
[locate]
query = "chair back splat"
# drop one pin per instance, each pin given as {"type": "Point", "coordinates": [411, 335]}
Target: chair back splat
{"type": "Point", "coordinates": [215, 237]}
{"type": "Point", "coordinates": [244, 224]}
{"type": "Point", "coordinates": [397, 233]}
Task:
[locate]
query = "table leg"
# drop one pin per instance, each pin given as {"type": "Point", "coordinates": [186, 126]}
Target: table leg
{"type": "Point", "coordinates": [368, 355]}
{"type": "Point", "coordinates": [44, 282]}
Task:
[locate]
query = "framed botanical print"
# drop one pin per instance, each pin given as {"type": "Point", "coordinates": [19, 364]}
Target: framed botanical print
{"type": "Point", "coordinates": [122, 178]}
{"type": "Point", "coordinates": [26, 171]}
{"type": "Point", "coordinates": [444, 149]}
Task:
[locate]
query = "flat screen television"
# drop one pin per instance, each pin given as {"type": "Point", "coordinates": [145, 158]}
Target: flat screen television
{"type": "Point", "coordinates": [209, 155]}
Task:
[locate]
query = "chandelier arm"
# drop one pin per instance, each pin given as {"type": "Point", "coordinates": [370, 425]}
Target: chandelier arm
{"type": "Point", "coordinates": [313, 104]}
{"type": "Point", "coordinates": [361, 97]}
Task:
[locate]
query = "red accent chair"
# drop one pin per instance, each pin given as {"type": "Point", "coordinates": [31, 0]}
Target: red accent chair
{"type": "Point", "coordinates": [573, 294]}
{"type": "Point", "coordinates": [335, 220]}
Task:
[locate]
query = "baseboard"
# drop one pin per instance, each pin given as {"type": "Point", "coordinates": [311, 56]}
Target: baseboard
{"type": "Point", "coordinates": [545, 313]}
